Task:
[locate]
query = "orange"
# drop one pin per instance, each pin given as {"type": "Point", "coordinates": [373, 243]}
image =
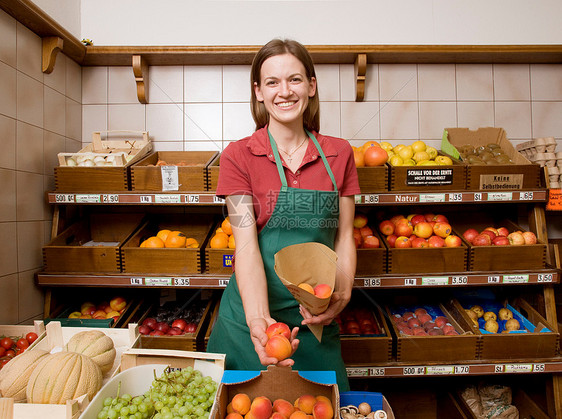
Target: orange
{"type": "Point", "coordinates": [226, 227]}
{"type": "Point", "coordinates": [231, 244]}
{"type": "Point", "coordinates": [191, 242]}
{"type": "Point", "coordinates": [219, 241]}
{"type": "Point", "coordinates": [359, 158]}
{"type": "Point", "coordinates": [375, 156]}
{"type": "Point", "coordinates": [152, 242]}
{"type": "Point", "coordinates": [175, 239]}
{"type": "Point", "coordinates": [163, 234]}
{"type": "Point", "coordinates": [369, 144]}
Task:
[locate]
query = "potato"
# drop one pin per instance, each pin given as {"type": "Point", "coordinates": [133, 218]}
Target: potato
{"type": "Point", "coordinates": [492, 326]}
{"type": "Point", "coordinates": [490, 315]}
{"type": "Point", "coordinates": [505, 314]}
{"type": "Point", "coordinates": [512, 324]}
{"type": "Point", "coordinates": [478, 310]}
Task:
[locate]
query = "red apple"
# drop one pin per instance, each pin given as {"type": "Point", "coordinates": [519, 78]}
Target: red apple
{"type": "Point", "coordinates": [516, 238]}
{"type": "Point", "coordinates": [403, 228]}
{"type": "Point", "coordinates": [423, 229]}
{"type": "Point", "coordinates": [503, 231]}
{"type": "Point", "coordinates": [453, 241]}
{"type": "Point", "coordinates": [429, 216]}
{"type": "Point", "coordinates": [150, 322]}
{"type": "Point", "coordinates": [360, 220]}
{"type": "Point", "coordinates": [391, 240]}
{"type": "Point", "coordinates": [436, 241]}
{"type": "Point", "coordinates": [413, 322]}
{"type": "Point", "coordinates": [419, 311]}
{"type": "Point", "coordinates": [118, 303]}
{"type": "Point", "coordinates": [493, 230]}
{"type": "Point", "coordinates": [179, 323]}
{"type": "Point", "coordinates": [482, 240]}
{"type": "Point", "coordinates": [144, 330]}
{"type": "Point", "coordinates": [396, 218]}
{"type": "Point", "coordinates": [99, 314]}
{"type": "Point", "coordinates": [429, 325]}
{"type": "Point", "coordinates": [529, 237]}
{"type": "Point", "coordinates": [440, 218]}
{"type": "Point", "coordinates": [470, 234]}
{"type": "Point", "coordinates": [163, 327]}
{"type": "Point", "coordinates": [357, 237]}
{"type": "Point", "coordinates": [366, 231]}
{"type": "Point", "coordinates": [386, 227]}
{"type": "Point", "coordinates": [424, 318]}
{"type": "Point", "coordinates": [500, 241]}
{"type": "Point", "coordinates": [417, 218]}
{"type": "Point", "coordinates": [174, 331]}
{"type": "Point", "coordinates": [402, 242]}
{"type": "Point", "coordinates": [435, 332]}
{"type": "Point", "coordinates": [419, 331]}
{"type": "Point", "coordinates": [420, 242]}
{"type": "Point", "coordinates": [408, 315]}
{"type": "Point", "coordinates": [442, 229]}
{"type": "Point", "coordinates": [441, 321]}
{"type": "Point", "coordinates": [156, 333]}
{"type": "Point", "coordinates": [447, 328]}
{"type": "Point", "coordinates": [371, 242]}
{"type": "Point", "coordinates": [191, 328]}
{"type": "Point", "coordinates": [490, 233]}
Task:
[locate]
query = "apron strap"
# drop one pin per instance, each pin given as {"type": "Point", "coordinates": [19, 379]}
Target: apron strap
{"type": "Point", "coordinates": [321, 152]}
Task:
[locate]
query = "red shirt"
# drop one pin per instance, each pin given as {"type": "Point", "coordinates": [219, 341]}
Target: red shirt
{"type": "Point", "coordinates": [247, 167]}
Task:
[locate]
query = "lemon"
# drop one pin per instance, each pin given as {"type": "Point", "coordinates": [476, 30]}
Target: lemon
{"type": "Point", "coordinates": [396, 160]}
{"type": "Point", "coordinates": [427, 163]}
{"type": "Point", "coordinates": [409, 162]}
{"type": "Point", "coordinates": [406, 152]}
{"type": "Point", "coordinates": [390, 153]}
{"type": "Point", "coordinates": [398, 147]}
{"type": "Point", "coordinates": [386, 146]}
{"type": "Point", "coordinates": [421, 156]}
{"type": "Point", "coordinates": [418, 146]}
{"type": "Point", "coordinates": [443, 160]}
{"type": "Point", "coordinates": [432, 151]}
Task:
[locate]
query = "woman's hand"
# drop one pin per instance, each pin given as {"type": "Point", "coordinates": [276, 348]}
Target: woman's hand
{"type": "Point", "coordinates": [338, 301]}
{"type": "Point", "coordinates": [259, 338]}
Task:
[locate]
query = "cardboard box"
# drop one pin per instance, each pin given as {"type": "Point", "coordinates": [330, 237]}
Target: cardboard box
{"type": "Point", "coordinates": [376, 400]}
{"type": "Point", "coordinates": [274, 383]}
{"type": "Point", "coordinates": [138, 367]}
{"type": "Point", "coordinates": [523, 174]}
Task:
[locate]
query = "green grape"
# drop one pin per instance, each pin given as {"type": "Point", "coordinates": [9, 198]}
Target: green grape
{"type": "Point", "coordinates": [133, 408]}
{"type": "Point", "coordinates": [143, 407]}
{"type": "Point", "coordinates": [112, 414]}
{"type": "Point", "coordinates": [102, 414]}
{"type": "Point", "coordinates": [126, 397]}
{"type": "Point", "coordinates": [158, 405]}
{"type": "Point", "coordinates": [107, 401]}
{"type": "Point", "coordinates": [209, 388]}
{"type": "Point", "coordinates": [124, 411]}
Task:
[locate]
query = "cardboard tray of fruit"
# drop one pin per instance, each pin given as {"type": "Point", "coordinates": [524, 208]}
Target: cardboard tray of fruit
{"type": "Point", "coordinates": [509, 247]}
{"type": "Point", "coordinates": [102, 165]}
{"type": "Point", "coordinates": [363, 334]}
{"type": "Point", "coordinates": [172, 171]}
{"type": "Point", "coordinates": [91, 244]}
{"type": "Point", "coordinates": [510, 331]}
{"type": "Point", "coordinates": [430, 328]}
{"type": "Point", "coordinates": [178, 324]}
{"type": "Point", "coordinates": [146, 252]}
{"type": "Point", "coordinates": [280, 383]}
{"type": "Point", "coordinates": [519, 173]}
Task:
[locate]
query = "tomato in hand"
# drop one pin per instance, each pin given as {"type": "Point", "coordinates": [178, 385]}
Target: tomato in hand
{"type": "Point", "coordinates": [22, 343]}
{"type": "Point", "coordinates": [31, 337]}
{"type": "Point", "coordinates": [6, 343]}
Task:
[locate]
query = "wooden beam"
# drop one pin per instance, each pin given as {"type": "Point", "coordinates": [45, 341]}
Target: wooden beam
{"type": "Point", "coordinates": [51, 46]}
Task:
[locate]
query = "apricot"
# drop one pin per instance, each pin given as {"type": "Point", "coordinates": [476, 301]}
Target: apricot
{"type": "Point", "coordinates": [278, 329]}
{"type": "Point", "coordinates": [234, 415]}
{"type": "Point", "coordinates": [323, 399]}
{"type": "Point", "coordinates": [322, 290]}
{"type": "Point", "coordinates": [241, 403]}
{"type": "Point", "coordinates": [229, 408]}
{"type": "Point", "coordinates": [322, 410]}
{"type": "Point", "coordinates": [261, 408]}
{"type": "Point", "coordinates": [306, 287]}
{"type": "Point", "coordinates": [284, 407]}
{"type": "Point", "coordinates": [278, 346]}
{"type": "Point", "coordinates": [299, 414]}
{"type": "Point", "coordinates": [277, 415]}
{"type": "Point", "coordinates": [306, 403]}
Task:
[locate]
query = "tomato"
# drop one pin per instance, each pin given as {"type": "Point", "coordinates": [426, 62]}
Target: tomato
{"type": "Point", "coordinates": [6, 343]}
{"type": "Point", "coordinates": [31, 337]}
{"type": "Point", "coordinates": [10, 353]}
{"type": "Point", "coordinates": [22, 343]}
{"type": "Point", "coordinates": [2, 351]}
{"type": "Point", "coordinates": [4, 362]}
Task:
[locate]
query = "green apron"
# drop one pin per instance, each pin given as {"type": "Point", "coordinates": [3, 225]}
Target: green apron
{"type": "Point", "coordinates": [300, 216]}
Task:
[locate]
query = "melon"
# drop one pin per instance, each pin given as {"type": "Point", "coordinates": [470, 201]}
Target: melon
{"type": "Point", "coordinates": [63, 376]}
{"type": "Point", "coordinates": [15, 374]}
{"type": "Point", "coordinates": [95, 344]}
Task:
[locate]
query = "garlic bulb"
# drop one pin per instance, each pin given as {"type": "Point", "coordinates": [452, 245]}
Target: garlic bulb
{"type": "Point", "coordinates": [70, 162]}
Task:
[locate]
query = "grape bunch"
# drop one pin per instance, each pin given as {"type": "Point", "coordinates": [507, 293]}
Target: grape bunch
{"type": "Point", "coordinates": [176, 394]}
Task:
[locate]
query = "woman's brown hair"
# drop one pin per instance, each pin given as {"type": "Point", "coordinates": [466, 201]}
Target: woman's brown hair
{"type": "Point", "coordinates": [311, 117]}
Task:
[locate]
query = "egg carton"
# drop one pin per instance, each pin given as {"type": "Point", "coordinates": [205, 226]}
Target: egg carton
{"type": "Point", "coordinates": [555, 176]}
{"type": "Point", "coordinates": [538, 145]}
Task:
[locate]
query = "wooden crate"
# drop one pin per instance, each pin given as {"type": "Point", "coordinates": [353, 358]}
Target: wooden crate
{"type": "Point", "coordinates": [217, 261]}
{"type": "Point", "coordinates": [192, 176]}
{"type": "Point", "coordinates": [498, 258]}
{"type": "Point", "coordinates": [186, 342]}
{"type": "Point", "coordinates": [68, 251]}
{"type": "Point", "coordinates": [373, 179]}
{"type": "Point", "coordinates": [211, 325]}
{"type": "Point", "coordinates": [213, 173]}
{"type": "Point", "coordinates": [464, 346]}
{"type": "Point", "coordinates": [103, 178]}
{"type": "Point", "coordinates": [512, 346]}
{"type": "Point", "coordinates": [426, 260]}
{"type": "Point", "coordinates": [177, 261]}
{"type": "Point", "coordinates": [432, 178]}
{"type": "Point", "coordinates": [523, 174]}
{"type": "Point", "coordinates": [19, 331]}
{"type": "Point", "coordinates": [372, 261]}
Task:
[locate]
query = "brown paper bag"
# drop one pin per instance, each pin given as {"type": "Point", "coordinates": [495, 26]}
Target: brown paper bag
{"type": "Point", "coordinates": [311, 263]}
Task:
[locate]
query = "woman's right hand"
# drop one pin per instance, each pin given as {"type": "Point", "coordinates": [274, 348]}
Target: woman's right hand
{"type": "Point", "coordinates": [259, 338]}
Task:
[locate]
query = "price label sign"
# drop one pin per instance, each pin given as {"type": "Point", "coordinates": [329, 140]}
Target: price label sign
{"type": "Point", "coordinates": [493, 279]}
{"type": "Point", "coordinates": [459, 280]}
{"type": "Point", "coordinates": [218, 200]}
{"type": "Point", "coordinates": [357, 372]}
{"type": "Point", "coordinates": [413, 371]}
{"type": "Point", "coordinates": [376, 372]}
{"type": "Point", "coordinates": [477, 196]}
{"type": "Point", "coordinates": [515, 279]}
{"type": "Point", "coordinates": [525, 196]}
{"type": "Point", "coordinates": [435, 280]}
{"type": "Point", "coordinates": [136, 281]}
{"type": "Point", "coordinates": [168, 199]}
{"type": "Point", "coordinates": [180, 282]}
{"type": "Point", "coordinates": [498, 369]}
{"type": "Point", "coordinates": [440, 370]}
{"type": "Point", "coordinates": [110, 198]}
{"type": "Point", "coordinates": [545, 277]}
{"type": "Point", "coordinates": [62, 198]}
{"type": "Point", "coordinates": [462, 369]}
{"type": "Point", "coordinates": [158, 282]}
{"type": "Point", "coordinates": [371, 282]}
{"type": "Point", "coordinates": [538, 368]}
{"type": "Point", "coordinates": [518, 368]}
{"type": "Point", "coordinates": [500, 196]}
{"type": "Point", "coordinates": [192, 199]}
{"type": "Point", "coordinates": [169, 178]}
{"type": "Point", "coordinates": [358, 199]}
{"type": "Point", "coordinates": [554, 200]}
{"type": "Point", "coordinates": [145, 199]}
{"type": "Point", "coordinates": [223, 282]}
{"type": "Point", "coordinates": [455, 197]}
{"type": "Point", "coordinates": [88, 199]}
{"type": "Point", "coordinates": [409, 282]}
{"type": "Point", "coordinates": [432, 197]}
{"type": "Point", "coordinates": [371, 199]}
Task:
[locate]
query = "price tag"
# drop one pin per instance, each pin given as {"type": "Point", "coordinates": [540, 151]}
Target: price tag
{"type": "Point", "coordinates": [493, 279]}
{"type": "Point", "coordinates": [459, 280]}
{"type": "Point", "coordinates": [413, 371]}
{"type": "Point", "coordinates": [136, 281]}
{"type": "Point", "coordinates": [371, 282]}
{"type": "Point", "coordinates": [554, 200]}
{"type": "Point", "coordinates": [498, 369]}
{"type": "Point", "coordinates": [358, 199]}
{"type": "Point", "coordinates": [544, 278]}
{"type": "Point", "coordinates": [435, 280]}
{"type": "Point", "coordinates": [192, 199]}
{"type": "Point", "coordinates": [357, 372]}
{"type": "Point", "coordinates": [515, 279]}
{"type": "Point", "coordinates": [462, 369]}
{"type": "Point", "coordinates": [218, 200]}
{"type": "Point", "coordinates": [145, 199]}
{"type": "Point", "coordinates": [410, 281]}
{"type": "Point", "coordinates": [478, 196]}
{"type": "Point", "coordinates": [432, 197]}
{"type": "Point", "coordinates": [500, 196]}
{"type": "Point", "coordinates": [538, 367]}
{"type": "Point", "coordinates": [167, 199]}
{"type": "Point", "coordinates": [88, 199]}
{"type": "Point", "coordinates": [62, 198]}
{"type": "Point", "coordinates": [158, 282]}
{"type": "Point", "coordinates": [110, 198]}
{"type": "Point", "coordinates": [371, 199]}
{"type": "Point", "coordinates": [455, 197]}
{"type": "Point", "coordinates": [518, 368]}
{"type": "Point", "coordinates": [440, 370]}
{"type": "Point", "coordinates": [376, 372]}
{"type": "Point", "coordinates": [526, 196]}
{"type": "Point", "coordinates": [169, 178]}
{"type": "Point", "coordinates": [223, 282]}
{"type": "Point", "coordinates": [180, 282]}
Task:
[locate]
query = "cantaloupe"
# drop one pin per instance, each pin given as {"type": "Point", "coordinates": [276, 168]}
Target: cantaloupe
{"type": "Point", "coordinates": [95, 344]}
{"type": "Point", "coordinates": [15, 374]}
{"type": "Point", "coordinates": [63, 376]}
